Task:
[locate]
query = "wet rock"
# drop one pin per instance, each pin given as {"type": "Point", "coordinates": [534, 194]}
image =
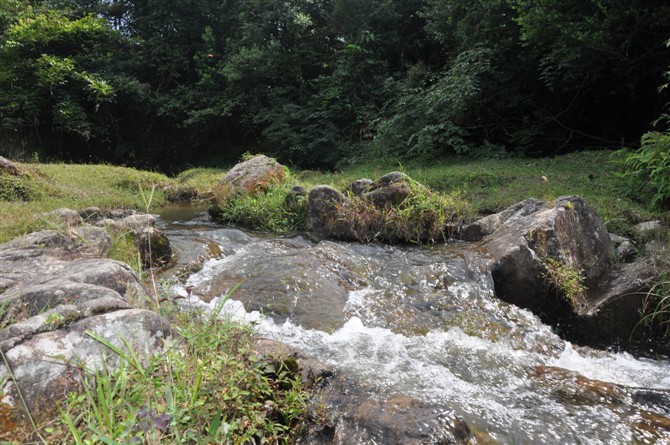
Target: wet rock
{"type": "Point", "coordinates": [570, 234]}
{"type": "Point", "coordinates": [656, 400]}
{"type": "Point", "coordinates": [489, 224]}
{"type": "Point", "coordinates": [287, 278]}
{"type": "Point", "coordinates": [258, 173]}
{"type": "Point", "coordinates": [322, 209]}
{"type": "Point", "coordinates": [363, 414]}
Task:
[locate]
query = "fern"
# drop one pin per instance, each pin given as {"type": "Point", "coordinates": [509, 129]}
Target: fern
{"type": "Point", "coordinates": [648, 169]}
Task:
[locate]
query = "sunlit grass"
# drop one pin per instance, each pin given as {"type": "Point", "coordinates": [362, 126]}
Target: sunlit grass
{"type": "Point", "coordinates": [491, 185]}
{"type": "Point", "coordinates": [76, 187]}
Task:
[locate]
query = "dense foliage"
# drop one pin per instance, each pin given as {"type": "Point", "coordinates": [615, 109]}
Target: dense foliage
{"type": "Point", "coordinates": [164, 84]}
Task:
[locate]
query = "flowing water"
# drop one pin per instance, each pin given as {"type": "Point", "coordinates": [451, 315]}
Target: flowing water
{"type": "Point", "coordinates": [424, 322]}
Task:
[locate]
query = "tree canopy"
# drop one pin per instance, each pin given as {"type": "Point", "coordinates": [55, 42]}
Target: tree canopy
{"type": "Point", "coordinates": [316, 82]}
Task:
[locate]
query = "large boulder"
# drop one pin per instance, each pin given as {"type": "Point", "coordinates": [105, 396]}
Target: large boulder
{"type": "Point", "coordinates": [557, 260]}
{"type": "Point", "coordinates": [57, 299]}
{"type": "Point", "coordinates": [256, 174]}
{"type": "Point", "coordinates": [547, 251]}
{"type": "Point", "coordinates": [489, 224]}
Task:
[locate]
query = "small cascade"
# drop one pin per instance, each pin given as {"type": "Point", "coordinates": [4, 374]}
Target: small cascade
{"type": "Point", "coordinates": [424, 322]}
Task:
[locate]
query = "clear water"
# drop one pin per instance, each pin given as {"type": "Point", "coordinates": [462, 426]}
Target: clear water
{"type": "Point", "coordinates": [424, 322]}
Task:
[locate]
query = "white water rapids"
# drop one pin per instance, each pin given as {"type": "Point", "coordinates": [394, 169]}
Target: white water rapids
{"type": "Point", "coordinates": [424, 322]}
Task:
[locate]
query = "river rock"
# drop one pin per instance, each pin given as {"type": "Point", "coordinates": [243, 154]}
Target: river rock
{"type": "Point", "coordinates": [359, 186]}
{"type": "Point", "coordinates": [66, 216]}
{"type": "Point", "coordinates": [569, 233]}
{"type": "Point", "coordinates": [256, 174]}
{"type": "Point", "coordinates": [151, 242]}
{"type": "Point", "coordinates": [389, 190]}
{"type": "Point", "coordinates": [613, 314]}
{"type": "Point", "coordinates": [364, 414]}
{"type": "Point", "coordinates": [489, 224]}
{"type": "Point", "coordinates": [322, 209]}
{"type": "Point", "coordinates": [54, 292]}
{"type": "Point", "coordinates": [287, 278]}
{"type": "Point", "coordinates": [647, 227]}
{"type": "Point", "coordinates": [295, 198]}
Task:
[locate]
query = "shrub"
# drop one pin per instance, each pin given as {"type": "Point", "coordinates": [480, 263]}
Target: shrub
{"type": "Point", "coordinates": [647, 169]}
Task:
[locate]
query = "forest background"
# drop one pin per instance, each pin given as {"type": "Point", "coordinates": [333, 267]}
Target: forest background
{"type": "Point", "coordinates": [164, 84]}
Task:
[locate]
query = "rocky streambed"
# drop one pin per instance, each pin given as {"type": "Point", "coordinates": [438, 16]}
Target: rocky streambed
{"type": "Point", "coordinates": [482, 339]}
{"type": "Point", "coordinates": [416, 347]}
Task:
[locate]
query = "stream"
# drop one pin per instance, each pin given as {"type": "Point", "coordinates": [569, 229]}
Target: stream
{"type": "Point", "coordinates": [423, 322]}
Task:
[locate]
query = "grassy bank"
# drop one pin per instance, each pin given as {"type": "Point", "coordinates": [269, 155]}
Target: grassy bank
{"type": "Point", "coordinates": [489, 185]}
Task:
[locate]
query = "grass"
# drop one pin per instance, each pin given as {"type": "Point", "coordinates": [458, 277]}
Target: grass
{"type": "Point", "coordinates": [209, 386]}
{"type": "Point", "coordinates": [488, 185]}
{"type": "Point", "coordinates": [491, 185]}
{"type": "Point", "coordinates": [73, 186]}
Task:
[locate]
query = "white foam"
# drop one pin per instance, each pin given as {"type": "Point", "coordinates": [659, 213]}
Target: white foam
{"type": "Point", "coordinates": [619, 368]}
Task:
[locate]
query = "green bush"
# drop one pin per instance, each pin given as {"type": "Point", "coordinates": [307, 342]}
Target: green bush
{"type": "Point", "coordinates": [647, 169]}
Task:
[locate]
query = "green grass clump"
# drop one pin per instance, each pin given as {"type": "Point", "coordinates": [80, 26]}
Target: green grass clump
{"type": "Point", "coordinates": [265, 210]}
{"type": "Point", "coordinates": [569, 281]}
{"type": "Point", "coordinates": [261, 206]}
{"type": "Point", "coordinates": [424, 216]}
{"type": "Point", "coordinates": [210, 387]}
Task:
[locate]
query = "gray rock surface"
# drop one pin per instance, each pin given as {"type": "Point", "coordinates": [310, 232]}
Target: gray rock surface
{"type": "Point", "coordinates": [647, 227]}
{"type": "Point", "coordinates": [568, 233]}
{"type": "Point", "coordinates": [389, 190]}
{"type": "Point", "coordinates": [571, 235]}
{"type": "Point", "coordinates": [55, 291]}
{"type": "Point", "coordinates": [322, 208]}
{"type": "Point", "coordinates": [256, 173]}
{"type": "Point", "coordinates": [489, 224]}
